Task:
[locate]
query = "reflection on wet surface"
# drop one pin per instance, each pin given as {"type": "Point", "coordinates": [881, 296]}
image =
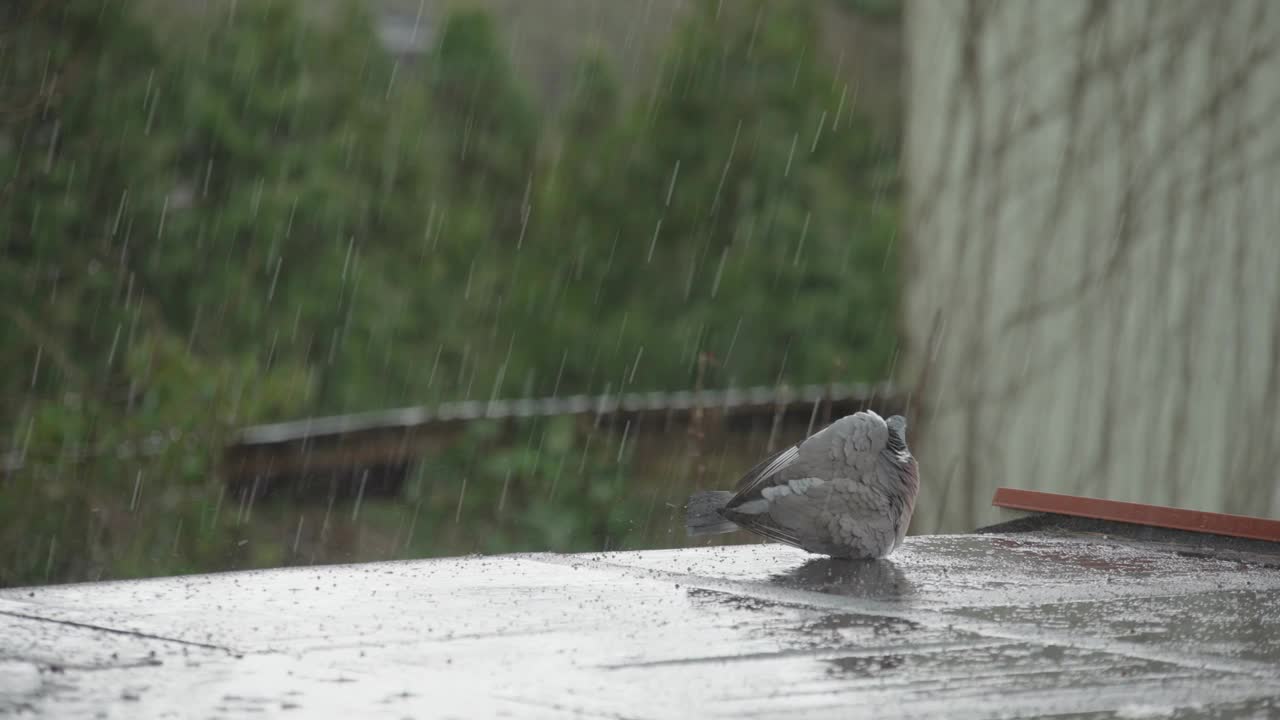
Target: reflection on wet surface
{"type": "Point", "coordinates": [864, 667]}
{"type": "Point", "coordinates": [796, 626]}
{"type": "Point", "coordinates": [1242, 624]}
{"type": "Point", "coordinates": [872, 579]}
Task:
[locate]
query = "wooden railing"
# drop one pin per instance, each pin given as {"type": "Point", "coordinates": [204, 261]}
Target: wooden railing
{"type": "Point", "coordinates": [375, 449]}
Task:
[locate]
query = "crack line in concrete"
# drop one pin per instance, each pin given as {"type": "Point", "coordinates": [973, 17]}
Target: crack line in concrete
{"type": "Point", "coordinates": [118, 631]}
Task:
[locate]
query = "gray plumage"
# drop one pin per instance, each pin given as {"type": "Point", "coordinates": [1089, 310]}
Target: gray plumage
{"type": "Point", "coordinates": [846, 491]}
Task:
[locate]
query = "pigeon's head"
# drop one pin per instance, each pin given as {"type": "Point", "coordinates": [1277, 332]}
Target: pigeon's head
{"type": "Point", "coordinates": [897, 434]}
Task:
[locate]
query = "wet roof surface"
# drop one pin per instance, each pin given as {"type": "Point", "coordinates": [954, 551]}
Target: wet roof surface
{"type": "Point", "coordinates": [991, 625]}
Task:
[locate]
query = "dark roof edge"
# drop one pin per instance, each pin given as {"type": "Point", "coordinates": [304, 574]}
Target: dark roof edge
{"type": "Point", "coordinates": [1159, 516]}
{"type": "Point", "coordinates": [1184, 542]}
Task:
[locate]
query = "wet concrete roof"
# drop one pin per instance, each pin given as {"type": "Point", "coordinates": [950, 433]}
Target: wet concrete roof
{"type": "Point", "coordinates": [965, 626]}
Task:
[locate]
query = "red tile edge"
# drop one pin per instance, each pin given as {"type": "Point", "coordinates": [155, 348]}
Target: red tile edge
{"type": "Point", "coordinates": [1240, 526]}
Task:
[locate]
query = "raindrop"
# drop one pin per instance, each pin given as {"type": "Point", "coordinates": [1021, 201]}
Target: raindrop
{"type": "Point", "coordinates": [275, 277]}
{"type": "Point", "coordinates": [755, 28]}
{"type": "Point", "coordinates": [888, 249]}
{"type": "Point", "coordinates": [732, 342]}
{"type": "Point", "coordinates": [146, 92]}
{"type": "Point", "coordinates": [675, 172]}
{"type": "Point", "coordinates": [35, 369]}
{"type": "Point", "coordinates": [457, 514]}
{"type": "Point", "coordinates": [364, 481]}
{"type": "Point", "coordinates": [653, 243]}
{"type": "Point", "coordinates": [53, 146]}
{"type": "Point", "coordinates": [506, 482]}
{"type": "Point", "coordinates": [417, 21]}
{"type": "Point", "coordinates": [635, 364]}
{"type": "Point", "coordinates": [48, 561]}
{"type": "Point", "coordinates": [288, 227]}
{"type": "Point", "coordinates": [622, 330]}
{"type": "Point", "coordinates": [555, 479]}
{"type": "Point", "coordinates": [255, 202]}
{"type": "Point", "coordinates": [391, 80]}
{"type": "Point", "coordinates": [124, 202]}
{"type": "Point", "coordinates": [791, 155]}
{"type": "Point", "coordinates": [526, 210]}
{"type": "Point", "coordinates": [164, 213]}
{"type": "Point", "coordinates": [813, 415]}
{"type": "Point", "coordinates": [795, 77]}
{"type": "Point", "coordinates": [346, 263]}
{"type": "Point", "coordinates": [835, 122]}
{"type": "Point", "coordinates": [804, 231]}
{"type": "Point", "coordinates": [324, 525]}
{"type": "Point", "coordinates": [177, 538]}
{"type": "Point", "coordinates": [137, 491]}
{"type": "Point", "coordinates": [435, 364]}
{"type": "Point", "coordinates": [821, 121]}
{"type": "Point", "coordinates": [853, 101]}
{"type": "Point", "coordinates": [622, 445]}
{"type": "Point", "coordinates": [555, 390]}
{"type": "Point", "coordinates": [208, 173]}
{"type": "Point", "coordinates": [413, 526]}
{"type": "Point", "coordinates": [724, 174]}
{"type": "Point", "coordinates": [155, 101]}
{"type": "Point", "coordinates": [537, 454]}
{"type": "Point", "coordinates": [782, 367]}
{"type": "Point", "coordinates": [217, 508]}
{"type": "Point", "coordinates": [715, 284]}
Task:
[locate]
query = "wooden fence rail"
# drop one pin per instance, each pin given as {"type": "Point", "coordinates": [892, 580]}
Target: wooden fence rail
{"type": "Point", "coordinates": [376, 449]}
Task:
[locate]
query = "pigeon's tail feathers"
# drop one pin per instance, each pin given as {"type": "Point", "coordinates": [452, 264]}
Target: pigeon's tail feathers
{"type": "Point", "coordinates": [702, 513]}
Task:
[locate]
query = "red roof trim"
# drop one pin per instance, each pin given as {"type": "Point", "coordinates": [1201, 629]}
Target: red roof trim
{"type": "Point", "coordinates": [1240, 526]}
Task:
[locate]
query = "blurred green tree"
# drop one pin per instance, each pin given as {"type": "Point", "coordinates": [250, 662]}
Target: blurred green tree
{"type": "Point", "coordinates": [741, 207]}
{"type": "Point", "coordinates": [273, 218]}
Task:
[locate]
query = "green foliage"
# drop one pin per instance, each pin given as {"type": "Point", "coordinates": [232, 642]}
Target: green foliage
{"type": "Point", "coordinates": [273, 218]}
{"type": "Point", "coordinates": [733, 211]}
{"type": "Point", "coordinates": [540, 484]}
{"type": "Point", "coordinates": [489, 121]}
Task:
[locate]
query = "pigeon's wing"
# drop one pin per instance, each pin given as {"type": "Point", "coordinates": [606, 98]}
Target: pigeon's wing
{"type": "Point", "coordinates": [847, 448]}
{"type": "Point", "coordinates": [764, 473]}
{"type": "Point", "coordinates": [851, 517]}
{"type": "Point", "coordinates": [797, 509]}
{"type": "Point", "coordinates": [763, 524]}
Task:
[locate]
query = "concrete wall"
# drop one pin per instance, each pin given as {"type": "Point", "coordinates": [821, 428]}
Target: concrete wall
{"type": "Point", "coordinates": [1092, 299]}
